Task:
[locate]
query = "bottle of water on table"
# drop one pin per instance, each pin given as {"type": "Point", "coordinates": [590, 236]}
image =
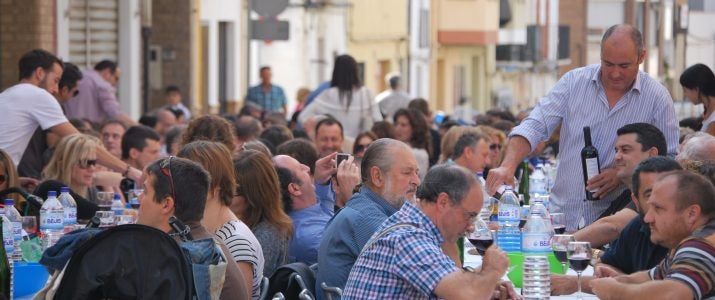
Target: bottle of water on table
{"type": "Point", "coordinates": [52, 216]}
{"type": "Point", "coordinates": [70, 209]}
{"type": "Point", "coordinates": [536, 245]}
{"type": "Point", "coordinates": [16, 220]}
{"type": "Point", "coordinates": [508, 235]}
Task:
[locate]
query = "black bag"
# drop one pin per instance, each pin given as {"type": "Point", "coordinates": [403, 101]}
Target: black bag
{"type": "Point", "coordinates": [285, 282]}
{"type": "Point", "coordinates": [127, 262]}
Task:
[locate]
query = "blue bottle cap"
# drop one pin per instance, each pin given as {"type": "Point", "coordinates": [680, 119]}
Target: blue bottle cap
{"type": "Point", "coordinates": [52, 194]}
{"type": "Point", "coordinates": [64, 189]}
{"type": "Point", "coordinates": [9, 202]}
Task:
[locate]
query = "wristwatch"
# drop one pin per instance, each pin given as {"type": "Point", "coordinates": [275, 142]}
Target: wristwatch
{"type": "Point", "coordinates": [596, 256]}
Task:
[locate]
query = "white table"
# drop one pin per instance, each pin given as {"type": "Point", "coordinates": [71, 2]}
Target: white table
{"type": "Point", "coordinates": [475, 261]}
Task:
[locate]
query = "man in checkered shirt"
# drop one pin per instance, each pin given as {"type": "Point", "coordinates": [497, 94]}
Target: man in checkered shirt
{"type": "Point", "coordinates": [410, 256]}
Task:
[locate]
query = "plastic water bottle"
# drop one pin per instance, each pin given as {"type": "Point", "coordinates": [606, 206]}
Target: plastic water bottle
{"type": "Point", "coordinates": [537, 182]}
{"type": "Point", "coordinates": [117, 206]}
{"type": "Point", "coordinates": [70, 209]}
{"type": "Point", "coordinates": [16, 219]}
{"type": "Point", "coordinates": [8, 236]}
{"type": "Point", "coordinates": [52, 216]}
{"type": "Point", "coordinates": [8, 245]}
{"type": "Point", "coordinates": [536, 245]}
{"type": "Point", "coordinates": [508, 235]}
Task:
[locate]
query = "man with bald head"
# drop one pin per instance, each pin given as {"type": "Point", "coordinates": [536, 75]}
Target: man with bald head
{"type": "Point", "coordinates": [389, 177]}
{"type": "Point", "coordinates": [604, 97]}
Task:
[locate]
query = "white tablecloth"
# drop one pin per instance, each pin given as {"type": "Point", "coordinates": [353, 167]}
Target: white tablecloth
{"type": "Point", "coordinates": [475, 261]}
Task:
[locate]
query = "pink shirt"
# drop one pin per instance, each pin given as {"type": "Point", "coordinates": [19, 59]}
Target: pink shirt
{"type": "Point", "coordinates": [96, 100]}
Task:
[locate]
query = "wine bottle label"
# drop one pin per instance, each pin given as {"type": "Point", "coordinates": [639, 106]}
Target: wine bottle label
{"type": "Point", "coordinates": [592, 169]}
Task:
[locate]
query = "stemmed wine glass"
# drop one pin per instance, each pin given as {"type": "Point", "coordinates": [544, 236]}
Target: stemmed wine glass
{"type": "Point", "coordinates": [558, 222]}
{"type": "Point", "coordinates": [579, 255]}
{"type": "Point", "coordinates": [481, 237]}
{"type": "Point", "coordinates": [560, 243]}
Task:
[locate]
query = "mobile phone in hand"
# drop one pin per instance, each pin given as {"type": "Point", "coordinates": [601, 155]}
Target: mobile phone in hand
{"type": "Point", "coordinates": [340, 158]}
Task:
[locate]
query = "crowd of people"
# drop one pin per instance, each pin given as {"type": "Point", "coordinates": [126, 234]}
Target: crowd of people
{"type": "Point", "coordinates": [384, 222]}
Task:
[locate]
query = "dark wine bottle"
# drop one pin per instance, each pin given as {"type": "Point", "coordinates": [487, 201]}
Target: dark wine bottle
{"type": "Point", "coordinates": [5, 269]}
{"type": "Point", "coordinates": [589, 162]}
{"type": "Point", "coordinates": [524, 181]}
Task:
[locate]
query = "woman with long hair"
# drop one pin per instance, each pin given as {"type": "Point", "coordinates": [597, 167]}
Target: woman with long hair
{"type": "Point", "coordinates": [73, 164]}
{"type": "Point", "coordinates": [411, 128]}
{"type": "Point", "coordinates": [698, 83]}
{"type": "Point", "coordinates": [218, 217]}
{"type": "Point", "coordinates": [8, 179]}
{"type": "Point", "coordinates": [258, 203]}
{"type": "Point", "coordinates": [346, 100]}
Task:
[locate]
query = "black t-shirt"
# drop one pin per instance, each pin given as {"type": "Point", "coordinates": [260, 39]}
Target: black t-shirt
{"type": "Point", "coordinates": [633, 251]}
{"type": "Point", "coordinates": [36, 155]}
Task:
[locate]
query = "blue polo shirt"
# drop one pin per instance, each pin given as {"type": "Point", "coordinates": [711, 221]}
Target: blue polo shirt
{"type": "Point", "coordinates": [633, 251]}
{"type": "Point", "coordinates": [272, 101]}
{"type": "Point", "coordinates": [346, 234]}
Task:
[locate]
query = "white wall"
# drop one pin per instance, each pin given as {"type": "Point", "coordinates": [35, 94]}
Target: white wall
{"type": "Point", "coordinates": [130, 58]}
{"type": "Point", "coordinates": [213, 12]}
{"type": "Point", "coordinates": [300, 61]}
{"type": "Point", "coordinates": [701, 39]}
{"type": "Point", "coordinates": [419, 80]}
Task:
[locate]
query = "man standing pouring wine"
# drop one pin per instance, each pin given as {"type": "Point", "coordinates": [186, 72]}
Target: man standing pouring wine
{"type": "Point", "coordinates": [603, 97]}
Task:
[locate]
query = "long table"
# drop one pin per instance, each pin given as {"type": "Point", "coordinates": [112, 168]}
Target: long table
{"type": "Point", "coordinates": [475, 261]}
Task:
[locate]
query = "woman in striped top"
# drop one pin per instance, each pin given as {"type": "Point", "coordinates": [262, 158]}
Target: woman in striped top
{"type": "Point", "coordinates": [218, 217]}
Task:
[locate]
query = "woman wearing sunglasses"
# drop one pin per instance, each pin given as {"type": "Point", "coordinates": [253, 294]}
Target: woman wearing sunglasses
{"type": "Point", "coordinates": [73, 164]}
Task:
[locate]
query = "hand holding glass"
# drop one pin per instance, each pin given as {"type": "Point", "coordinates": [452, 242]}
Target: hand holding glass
{"type": "Point", "coordinates": [481, 237]}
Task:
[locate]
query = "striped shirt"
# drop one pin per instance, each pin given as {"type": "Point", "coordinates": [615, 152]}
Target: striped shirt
{"type": "Point", "coordinates": [692, 263]}
{"type": "Point", "coordinates": [244, 247]}
{"type": "Point", "coordinates": [577, 100]}
{"type": "Point", "coordinates": [405, 263]}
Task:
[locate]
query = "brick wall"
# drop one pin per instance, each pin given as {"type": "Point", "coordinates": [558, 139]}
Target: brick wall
{"type": "Point", "coordinates": [573, 13]}
{"type": "Point", "coordinates": [24, 25]}
{"type": "Point", "coordinates": [171, 31]}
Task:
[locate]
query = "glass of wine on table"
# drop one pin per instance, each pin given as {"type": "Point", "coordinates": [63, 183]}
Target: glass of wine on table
{"type": "Point", "coordinates": [560, 244]}
{"type": "Point", "coordinates": [481, 237]}
{"type": "Point", "coordinates": [558, 222]}
{"type": "Point", "coordinates": [579, 255]}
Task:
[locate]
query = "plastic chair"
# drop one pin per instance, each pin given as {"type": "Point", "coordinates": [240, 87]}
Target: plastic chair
{"type": "Point", "coordinates": [278, 296]}
{"type": "Point", "coordinates": [328, 291]}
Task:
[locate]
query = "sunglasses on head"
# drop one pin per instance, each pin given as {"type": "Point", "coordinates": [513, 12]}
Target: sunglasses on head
{"type": "Point", "coordinates": [86, 163]}
{"type": "Point", "coordinates": [165, 166]}
{"type": "Point", "coordinates": [495, 147]}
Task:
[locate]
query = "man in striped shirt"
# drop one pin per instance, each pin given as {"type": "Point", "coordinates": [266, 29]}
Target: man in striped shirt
{"type": "Point", "coordinates": [682, 218]}
{"type": "Point", "coordinates": [604, 97]}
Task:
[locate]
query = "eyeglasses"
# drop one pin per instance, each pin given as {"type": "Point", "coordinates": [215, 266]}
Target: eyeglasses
{"type": "Point", "coordinates": [76, 92]}
{"type": "Point", "coordinates": [361, 147]}
{"type": "Point", "coordinates": [86, 163]}
{"type": "Point", "coordinates": [165, 166]}
{"type": "Point", "coordinates": [3, 178]}
{"type": "Point", "coordinates": [495, 146]}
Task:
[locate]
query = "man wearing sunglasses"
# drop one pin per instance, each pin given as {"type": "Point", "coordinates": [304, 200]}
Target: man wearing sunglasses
{"type": "Point", "coordinates": [30, 104]}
